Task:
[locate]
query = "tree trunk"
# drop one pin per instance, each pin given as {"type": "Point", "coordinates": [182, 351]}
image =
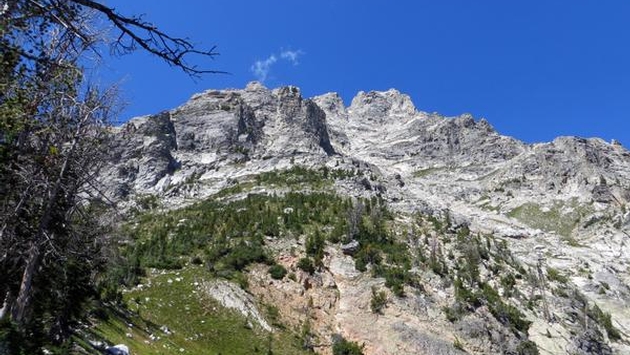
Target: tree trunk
{"type": "Point", "coordinates": [6, 305]}
{"type": "Point", "coordinates": [23, 302]}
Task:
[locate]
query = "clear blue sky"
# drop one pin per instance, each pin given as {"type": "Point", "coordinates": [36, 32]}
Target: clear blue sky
{"type": "Point", "coordinates": [535, 69]}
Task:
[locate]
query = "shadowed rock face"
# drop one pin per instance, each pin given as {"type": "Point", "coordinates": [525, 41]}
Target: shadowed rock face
{"type": "Point", "coordinates": [565, 201]}
{"type": "Point", "coordinates": [212, 129]}
{"type": "Point", "coordinates": [141, 153]}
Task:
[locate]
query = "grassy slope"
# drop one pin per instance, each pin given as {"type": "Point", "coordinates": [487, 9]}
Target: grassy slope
{"type": "Point", "coordinates": [558, 218]}
{"type": "Point", "coordinates": [198, 324]}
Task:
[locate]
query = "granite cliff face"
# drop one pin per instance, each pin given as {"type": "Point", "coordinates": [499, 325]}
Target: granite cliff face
{"type": "Point", "coordinates": [559, 205]}
{"type": "Point", "coordinates": [217, 130]}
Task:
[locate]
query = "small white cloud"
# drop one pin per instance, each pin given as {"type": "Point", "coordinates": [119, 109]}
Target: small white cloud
{"type": "Point", "coordinates": [291, 56]}
{"type": "Point", "coordinates": [261, 68]}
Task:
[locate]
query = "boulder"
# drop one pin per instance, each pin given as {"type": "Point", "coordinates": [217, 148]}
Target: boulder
{"type": "Point", "coordinates": [119, 349]}
{"type": "Point", "coordinates": [350, 248]}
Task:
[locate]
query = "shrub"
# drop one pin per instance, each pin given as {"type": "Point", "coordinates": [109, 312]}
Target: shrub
{"type": "Point", "coordinates": [314, 244]}
{"type": "Point", "coordinates": [244, 254]}
{"type": "Point", "coordinates": [508, 282]}
{"type": "Point", "coordinates": [274, 316]}
{"type": "Point", "coordinates": [11, 340]}
{"type": "Point", "coordinates": [605, 321]}
{"type": "Point", "coordinates": [360, 265]}
{"type": "Point", "coordinates": [464, 295]}
{"type": "Point", "coordinates": [229, 235]}
{"type": "Point", "coordinates": [165, 263]}
{"type": "Point", "coordinates": [378, 301]}
{"type": "Point", "coordinates": [455, 312]}
{"type": "Point", "coordinates": [503, 312]}
{"type": "Point", "coordinates": [438, 267]}
{"type": "Point", "coordinates": [527, 347]}
{"type": "Point", "coordinates": [240, 279]}
{"type": "Point", "coordinates": [369, 254]}
{"type": "Point", "coordinates": [306, 264]}
{"type": "Point", "coordinates": [345, 347]}
{"type": "Point", "coordinates": [555, 275]}
{"type": "Point", "coordinates": [277, 271]}
{"type": "Point", "coordinates": [395, 278]}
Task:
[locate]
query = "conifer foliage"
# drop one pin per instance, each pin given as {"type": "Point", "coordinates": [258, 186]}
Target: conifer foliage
{"type": "Point", "coordinates": [53, 132]}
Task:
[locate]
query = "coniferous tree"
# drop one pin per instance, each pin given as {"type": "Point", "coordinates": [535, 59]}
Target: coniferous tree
{"type": "Point", "coordinates": [53, 132]}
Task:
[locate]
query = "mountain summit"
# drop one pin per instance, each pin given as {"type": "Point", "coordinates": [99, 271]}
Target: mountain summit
{"type": "Point", "coordinates": [560, 208]}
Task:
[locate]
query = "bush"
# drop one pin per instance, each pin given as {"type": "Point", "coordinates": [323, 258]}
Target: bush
{"type": "Point", "coordinates": [165, 263]}
{"type": "Point", "coordinates": [306, 264]}
{"type": "Point", "coordinates": [274, 316]}
{"type": "Point", "coordinates": [345, 347]}
{"type": "Point", "coordinates": [527, 347]}
{"type": "Point", "coordinates": [508, 282]}
{"type": "Point", "coordinates": [464, 295]}
{"type": "Point", "coordinates": [369, 254]}
{"type": "Point", "coordinates": [555, 275]}
{"type": "Point", "coordinates": [395, 278]}
{"type": "Point", "coordinates": [315, 244]}
{"type": "Point", "coordinates": [240, 279]}
{"type": "Point", "coordinates": [379, 300]}
{"type": "Point", "coordinates": [438, 267]}
{"type": "Point", "coordinates": [605, 321]}
{"type": "Point", "coordinates": [277, 271]}
{"type": "Point", "coordinates": [503, 312]}
{"type": "Point", "coordinates": [11, 340]}
{"type": "Point", "coordinates": [360, 265]}
{"type": "Point", "coordinates": [455, 312]}
{"type": "Point", "coordinates": [244, 254]}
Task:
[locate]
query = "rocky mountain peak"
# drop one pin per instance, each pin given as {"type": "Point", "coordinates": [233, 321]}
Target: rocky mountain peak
{"type": "Point", "coordinates": [376, 105]}
{"type": "Point", "coordinates": [483, 124]}
{"type": "Point", "coordinates": [466, 120]}
{"type": "Point", "coordinates": [255, 86]}
{"type": "Point", "coordinates": [332, 104]}
{"type": "Point", "coordinates": [288, 92]}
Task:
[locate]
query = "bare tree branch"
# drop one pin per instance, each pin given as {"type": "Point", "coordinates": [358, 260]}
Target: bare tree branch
{"type": "Point", "coordinates": [173, 50]}
{"type": "Point", "coordinates": [71, 17]}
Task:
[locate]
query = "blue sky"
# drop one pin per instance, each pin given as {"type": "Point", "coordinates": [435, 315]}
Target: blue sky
{"type": "Point", "coordinates": [535, 69]}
